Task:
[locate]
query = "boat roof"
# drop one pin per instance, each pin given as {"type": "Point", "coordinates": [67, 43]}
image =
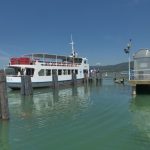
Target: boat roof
{"type": "Point", "coordinates": [50, 56]}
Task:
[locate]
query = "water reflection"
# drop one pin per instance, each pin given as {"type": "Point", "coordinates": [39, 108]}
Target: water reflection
{"type": "Point", "coordinates": [47, 110]}
{"type": "Point", "coordinates": [27, 104]}
{"type": "Point", "coordinates": [140, 106]}
{"type": "Point", "coordinates": [49, 101]}
{"type": "Point", "coordinates": [4, 137]}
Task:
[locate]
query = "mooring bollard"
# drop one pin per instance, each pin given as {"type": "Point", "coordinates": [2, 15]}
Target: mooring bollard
{"type": "Point", "coordinates": [4, 111]}
{"type": "Point", "coordinates": [26, 85]}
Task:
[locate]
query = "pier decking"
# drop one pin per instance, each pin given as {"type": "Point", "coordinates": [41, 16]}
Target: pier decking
{"type": "Point", "coordinates": [139, 82]}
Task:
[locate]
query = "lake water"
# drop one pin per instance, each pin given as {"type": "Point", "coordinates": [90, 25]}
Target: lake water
{"type": "Point", "coordinates": [94, 117]}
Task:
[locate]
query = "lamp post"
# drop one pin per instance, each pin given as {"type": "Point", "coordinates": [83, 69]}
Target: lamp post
{"type": "Point", "coordinates": [127, 51]}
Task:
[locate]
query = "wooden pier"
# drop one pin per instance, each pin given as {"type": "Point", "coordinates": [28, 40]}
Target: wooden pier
{"type": "Point", "coordinates": [95, 77]}
{"type": "Point", "coordinates": [4, 111]}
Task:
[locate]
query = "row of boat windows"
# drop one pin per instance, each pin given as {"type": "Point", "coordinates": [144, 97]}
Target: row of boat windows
{"type": "Point", "coordinates": [47, 72]}
{"type": "Point", "coordinates": [19, 71]}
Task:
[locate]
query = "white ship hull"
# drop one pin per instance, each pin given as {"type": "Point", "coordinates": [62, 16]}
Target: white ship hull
{"type": "Point", "coordinates": [15, 82]}
{"type": "Point", "coordinates": [42, 72]}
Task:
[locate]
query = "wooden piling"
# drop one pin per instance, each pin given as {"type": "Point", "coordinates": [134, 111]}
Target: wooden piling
{"type": "Point", "coordinates": [133, 90]}
{"type": "Point", "coordinates": [0, 110]}
{"type": "Point", "coordinates": [4, 110]}
{"type": "Point", "coordinates": [98, 77]}
{"type": "Point", "coordinates": [26, 85]}
{"type": "Point", "coordinates": [55, 81]}
{"type": "Point", "coordinates": [95, 77]}
{"type": "Point", "coordinates": [86, 78]}
{"type": "Point", "coordinates": [74, 79]}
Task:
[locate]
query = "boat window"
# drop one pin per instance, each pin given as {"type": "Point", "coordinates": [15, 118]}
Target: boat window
{"type": "Point", "coordinates": [41, 72]}
{"type": "Point", "coordinates": [54, 72]}
{"type": "Point", "coordinates": [65, 72]}
{"type": "Point", "coordinates": [84, 61]}
{"type": "Point", "coordinates": [78, 60]}
{"type": "Point", "coordinates": [85, 71]}
{"type": "Point", "coordinates": [69, 72]}
{"type": "Point", "coordinates": [48, 72]}
{"type": "Point", "coordinates": [72, 71]}
{"type": "Point", "coordinates": [29, 71]}
{"type": "Point", "coordinates": [76, 71]}
{"type": "Point", "coordinates": [12, 71]}
{"type": "Point", "coordinates": [75, 60]}
{"type": "Point", "coordinates": [59, 72]}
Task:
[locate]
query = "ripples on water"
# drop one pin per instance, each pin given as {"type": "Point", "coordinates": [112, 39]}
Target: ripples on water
{"type": "Point", "coordinates": [97, 117]}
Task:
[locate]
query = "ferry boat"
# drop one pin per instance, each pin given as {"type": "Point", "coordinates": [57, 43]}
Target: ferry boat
{"type": "Point", "coordinates": [43, 67]}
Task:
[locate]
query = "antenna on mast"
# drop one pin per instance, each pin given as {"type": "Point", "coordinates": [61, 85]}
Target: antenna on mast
{"type": "Point", "coordinates": [72, 45]}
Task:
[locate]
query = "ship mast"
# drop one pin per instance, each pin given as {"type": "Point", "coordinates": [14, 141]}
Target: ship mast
{"type": "Point", "coordinates": [72, 46]}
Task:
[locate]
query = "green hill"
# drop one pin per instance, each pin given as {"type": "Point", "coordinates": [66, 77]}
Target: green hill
{"type": "Point", "coordinates": [113, 68]}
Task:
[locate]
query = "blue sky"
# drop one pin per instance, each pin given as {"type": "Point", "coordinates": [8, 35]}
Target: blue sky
{"type": "Point", "coordinates": [100, 28]}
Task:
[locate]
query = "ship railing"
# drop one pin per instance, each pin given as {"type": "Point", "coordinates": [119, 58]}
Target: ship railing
{"type": "Point", "coordinates": [60, 64]}
{"type": "Point", "coordinates": [142, 74]}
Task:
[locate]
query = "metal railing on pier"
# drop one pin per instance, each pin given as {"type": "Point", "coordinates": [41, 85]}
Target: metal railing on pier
{"type": "Point", "coordinates": [142, 74]}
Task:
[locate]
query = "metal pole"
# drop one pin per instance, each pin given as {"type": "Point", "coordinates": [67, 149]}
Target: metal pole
{"type": "Point", "coordinates": [129, 67]}
{"type": "Point", "coordinates": [129, 47]}
{"type": "Point", "coordinates": [127, 51]}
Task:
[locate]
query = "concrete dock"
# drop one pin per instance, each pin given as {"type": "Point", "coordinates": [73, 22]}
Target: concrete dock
{"type": "Point", "coordinates": [140, 86]}
{"type": "Point", "coordinates": [140, 79]}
